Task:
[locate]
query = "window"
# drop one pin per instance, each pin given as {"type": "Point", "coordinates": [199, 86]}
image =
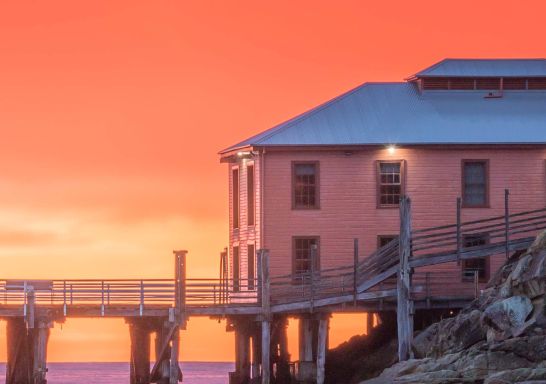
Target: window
{"type": "Point", "coordinates": [304, 250]}
{"type": "Point", "coordinates": [481, 265]}
{"type": "Point", "coordinates": [383, 240]}
{"type": "Point", "coordinates": [537, 83]}
{"type": "Point", "coordinates": [461, 83]}
{"type": "Point", "coordinates": [390, 186]}
{"type": "Point", "coordinates": [435, 83]}
{"type": "Point", "coordinates": [488, 83]}
{"type": "Point", "coordinates": [511, 83]}
{"type": "Point", "coordinates": [475, 184]}
{"type": "Point", "coordinates": [305, 185]}
{"type": "Point", "coordinates": [236, 270]}
{"type": "Point", "coordinates": [251, 275]}
{"type": "Point", "coordinates": [235, 196]}
{"type": "Point", "coordinates": [250, 194]}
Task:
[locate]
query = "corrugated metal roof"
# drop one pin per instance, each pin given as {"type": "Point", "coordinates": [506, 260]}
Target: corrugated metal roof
{"type": "Point", "coordinates": [486, 68]}
{"type": "Point", "coordinates": [396, 113]}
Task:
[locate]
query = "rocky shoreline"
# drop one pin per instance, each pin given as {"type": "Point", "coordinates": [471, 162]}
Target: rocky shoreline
{"type": "Point", "coordinates": [500, 338]}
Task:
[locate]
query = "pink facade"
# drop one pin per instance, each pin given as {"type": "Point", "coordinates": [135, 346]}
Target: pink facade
{"type": "Point", "coordinates": [348, 197]}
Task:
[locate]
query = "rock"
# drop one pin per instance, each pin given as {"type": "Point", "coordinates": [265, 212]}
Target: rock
{"type": "Point", "coordinates": [450, 335]}
{"type": "Point", "coordinates": [538, 245]}
{"type": "Point", "coordinates": [500, 338]}
{"type": "Point", "coordinates": [517, 375]}
{"type": "Point", "coordinates": [507, 317]}
{"type": "Point", "coordinates": [530, 348]}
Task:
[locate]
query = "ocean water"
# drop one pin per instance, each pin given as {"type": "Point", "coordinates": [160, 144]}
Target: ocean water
{"type": "Point", "coordinates": [116, 373]}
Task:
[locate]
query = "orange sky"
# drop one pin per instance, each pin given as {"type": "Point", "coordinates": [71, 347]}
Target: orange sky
{"type": "Point", "coordinates": [111, 114]}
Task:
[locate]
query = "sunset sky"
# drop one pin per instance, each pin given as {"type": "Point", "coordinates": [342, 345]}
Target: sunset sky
{"type": "Point", "coordinates": [112, 114]}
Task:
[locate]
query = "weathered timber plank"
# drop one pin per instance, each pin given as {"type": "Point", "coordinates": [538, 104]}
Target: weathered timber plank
{"type": "Point", "coordinates": [403, 311]}
{"type": "Point", "coordinates": [295, 306]}
{"type": "Point", "coordinates": [515, 245]}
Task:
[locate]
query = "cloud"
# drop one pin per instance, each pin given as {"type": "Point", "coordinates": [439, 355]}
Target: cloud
{"type": "Point", "coordinates": [10, 237]}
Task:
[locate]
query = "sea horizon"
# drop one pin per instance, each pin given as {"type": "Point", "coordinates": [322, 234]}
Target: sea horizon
{"type": "Point", "coordinates": [195, 372]}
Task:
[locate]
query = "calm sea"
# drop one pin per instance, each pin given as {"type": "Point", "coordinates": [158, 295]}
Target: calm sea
{"type": "Point", "coordinates": [116, 373]}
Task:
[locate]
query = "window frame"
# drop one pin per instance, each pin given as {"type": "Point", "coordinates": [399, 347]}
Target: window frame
{"type": "Point", "coordinates": [316, 164]}
{"type": "Point", "coordinates": [385, 236]}
{"type": "Point", "coordinates": [317, 261]}
{"type": "Point", "coordinates": [251, 267]}
{"type": "Point", "coordinates": [378, 182]}
{"type": "Point", "coordinates": [250, 195]}
{"type": "Point", "coordinates": [486, 203]}
{"type": "Point", "coordinates": [236, 198]}
{"type": "Point", "coordinates": [487, 237]}
{"type": "Point", "coordinates": [236, 267]}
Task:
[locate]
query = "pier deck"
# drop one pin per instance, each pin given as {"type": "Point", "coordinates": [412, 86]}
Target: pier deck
{"type": "Point", "coordinates": [394, 277]}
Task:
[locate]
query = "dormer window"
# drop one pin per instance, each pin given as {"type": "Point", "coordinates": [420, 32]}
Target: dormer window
{"type": "Point", "coordinates": [483, 83]}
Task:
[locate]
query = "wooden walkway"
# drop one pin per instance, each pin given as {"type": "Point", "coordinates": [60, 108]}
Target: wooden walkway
{"type": "Point", "coordinates": [394, 277]}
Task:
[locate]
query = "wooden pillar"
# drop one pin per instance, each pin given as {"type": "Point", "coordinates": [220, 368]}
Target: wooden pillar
{"type": "Point", "coordinates": [242, 352]}
{"type": "Point", "coordinates": [175, 371]}
{"type": "Point", "coordinates": [306, 339]}
{"type": "Point", "coordinates": [256, 352]}
{"type": "Point", "coordinates": [18, 352]}
{"type": "Point", "coordinates": [306, 367]}
{"type": "Point", "coordinates": [140, 352]}
{"type": "Point", "coordinates": [404, 306]}
{"type": "Point", "coordinates": [266, 315]}
{"type": "Point", "coordinates": [40, 337]}
{"type": "Point", "coordinates": [369, 322]}
{"type": "Point", "coordinates": [321, 348]}
{"type": "Point", "coordinates": [280, 347]}
{"type": "Point", "coordinates": [163, 371]}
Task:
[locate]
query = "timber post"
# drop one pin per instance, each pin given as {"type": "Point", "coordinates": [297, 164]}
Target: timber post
{"type": "Point", "coordinates": [266, 315]}
{"type": "Point", "coordinates": [40, 337]}
{"type": "Point", "coordinates": [506, 223]}
{"type": "Point", "coordinates": [174, 369]}
{"type": "Point", "coordinates": [180, 287]}
{"type": "Point", "coordinates": [18, 354]}
{"type": "Point", "coordinates": [459, 235]}
{"type": "Point", "coordinates": [139, 332]}
{"type": "Point", "coordinates": [404, 305]}
{"type": "Point", "coordinates": [322, 347]}
{"type": "Point", "coordinates": [355, 270]}
{"type": "Point", "coordinates": [242, 351]}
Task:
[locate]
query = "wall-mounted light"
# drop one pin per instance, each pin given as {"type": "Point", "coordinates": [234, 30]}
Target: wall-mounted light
{"type": "Point", "coordinates": [244, 154]}
{"type": "Point", "coordinates": [391, 149]}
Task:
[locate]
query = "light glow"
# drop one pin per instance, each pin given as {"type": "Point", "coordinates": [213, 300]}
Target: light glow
{"type": "Point", "coordinates": [391, 149]}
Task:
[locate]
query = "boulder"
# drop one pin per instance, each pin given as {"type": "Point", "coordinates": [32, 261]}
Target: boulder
{"type": "Point", "coordinates": [518, 375]}
{"type": "Point", "coordinates": [507, 317]}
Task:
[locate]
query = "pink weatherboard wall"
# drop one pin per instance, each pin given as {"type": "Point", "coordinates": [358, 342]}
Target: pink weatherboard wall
{"type": "Point", "coordinates": [348, 197]}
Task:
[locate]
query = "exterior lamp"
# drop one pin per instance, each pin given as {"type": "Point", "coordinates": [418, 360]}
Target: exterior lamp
{"type": "Point", "coordinates": [391, 149]}
{"type": "Point", "coordinates": [244, 154]}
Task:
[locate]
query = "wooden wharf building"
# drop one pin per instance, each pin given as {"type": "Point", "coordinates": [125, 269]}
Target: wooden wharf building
{"type": "Point", "coordinates": [391, 199]}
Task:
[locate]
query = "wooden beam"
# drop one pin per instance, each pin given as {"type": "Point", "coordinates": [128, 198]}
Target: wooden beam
{"type": "Point", "coordinates": [378, 278]}
{"type": "Point", "coordinates": [256, 351]}
{"type": "Point", "coordinates": [40, 337]}
{"type": "Point", "coordinates": [140, 352]}
{"type": "Point", "coordinates": [321, 348]}
{"type": "Point", "coordinates": [489, 250]}
{"type": "Point", "coordinates": [280, 308]}
{"type": "Point", "coordinates": [266, 313]}
{"type": "Point", "coordinates": [266, 345]}
{"type": "Point", "coordinates": [242, 351]}
{"type": "Point", "coordinates": [174, 371]}
{"type": "Point", "coordinates": [404, 321]}
{"type": "Point", "coordinates": [18, 353]}
{"type": "Point", "coordinates": [160, 370]}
